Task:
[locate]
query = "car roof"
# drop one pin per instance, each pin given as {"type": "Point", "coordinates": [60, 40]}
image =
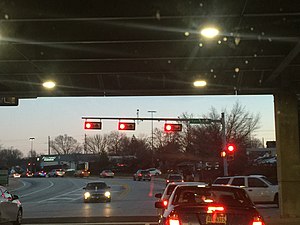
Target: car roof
{"type": "Point", "coordinates": [240, 176]}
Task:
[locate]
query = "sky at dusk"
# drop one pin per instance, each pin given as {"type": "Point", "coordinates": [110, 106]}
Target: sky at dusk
{"type": "Point", "coordinates": [43, 117]}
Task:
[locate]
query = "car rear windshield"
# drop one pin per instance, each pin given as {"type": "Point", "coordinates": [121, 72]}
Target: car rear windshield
{"type": "Point", "coordinates": [208, 195]}
{"type": "Point", "coordinates": [144, 172]}
{"type": "Point", "coordinates": [222, 181]}
{"type": "Point", "coordinates": [171, 189]}
{"type": "Point", "coordinates": [175, 177]}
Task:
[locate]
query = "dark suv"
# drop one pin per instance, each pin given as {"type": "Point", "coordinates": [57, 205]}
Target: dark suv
{"type": "Point", "coordinates": [142, 175]}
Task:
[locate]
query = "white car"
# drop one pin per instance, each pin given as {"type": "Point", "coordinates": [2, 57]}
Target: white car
{"type": "Point", "coordinates": [154, 171]}
{"type": "Point", "coordinates": [107, 173]}
{"type": "Point", "coordinates": [258, 187]}
{"type": "Point", "coordinates": [10, 207]}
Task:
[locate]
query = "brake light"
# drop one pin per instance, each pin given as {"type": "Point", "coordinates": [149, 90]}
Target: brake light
{"type": "Point", "coordinates": [212, 209]}
{"type": "Point", "coordinates": [140, 175]}
{"type": "Point", "coordinates": [257, 221]}
{"type": "Point", "coordinates": [173, 219]}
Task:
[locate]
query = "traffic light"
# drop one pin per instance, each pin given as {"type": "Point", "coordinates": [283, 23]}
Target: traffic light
{"type": "Point", "coordinates": [92, 125]}
{"type": "Point", "coordinates": [173, 127]}
{"type": "Point", "coordinates": [126, 126]}
{"type": "Point", "coordinates": [230, 149]}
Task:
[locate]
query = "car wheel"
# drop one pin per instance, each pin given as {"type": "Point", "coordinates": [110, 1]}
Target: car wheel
{"type": "Point", "coordinates": [134, 179]}
{"type": "Point", "coordinates": [19, 218]}
{"type": "Point", "coordinates": [108, 200]}
{"type": "Point", "coordinates": [156, 174]}
{"type": "Point", "coordinates": [85, 201]}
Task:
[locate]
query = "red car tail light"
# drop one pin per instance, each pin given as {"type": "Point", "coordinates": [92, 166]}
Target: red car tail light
{"type": "Point", "coordinates": [139, 174]}
{"type": "Point", "coordinates": [257, 221]}
{"type": "Point", "coordinates": [173, 219]}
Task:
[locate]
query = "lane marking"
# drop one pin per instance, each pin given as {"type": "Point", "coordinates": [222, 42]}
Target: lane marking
{"type": "Point", "coordinates": [31, 193]}
{"type": "Point", "coordinates": [24, 184]}
{"type": "Point", "coordinates": [44, 200]}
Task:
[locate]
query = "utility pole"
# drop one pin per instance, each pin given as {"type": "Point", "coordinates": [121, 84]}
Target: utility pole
{"type": "Point", "coordinates": [84, 144]}
{"type": "Point", "coordinates": [31, 146]}
{"type": "Point", "coordinates": [225, 164]}
{"type": "Point", "coordinates": [152, 112]}
{"type": "Point", "coordinates": [49, 150]}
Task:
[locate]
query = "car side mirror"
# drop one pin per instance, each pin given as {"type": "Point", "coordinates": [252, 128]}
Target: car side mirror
{"type": "Point", "coordinates": [84, 188]}
{"type": "Point", "coordinates": [108, 186]}
{"type": "Point", "coordinates": [158, 195]}
{"type": "Point", "coordinates": [160, 205]}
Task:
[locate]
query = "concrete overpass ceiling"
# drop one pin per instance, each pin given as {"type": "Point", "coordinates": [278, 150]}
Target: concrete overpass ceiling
{"type": "Point", "coordinates": [142, 47]}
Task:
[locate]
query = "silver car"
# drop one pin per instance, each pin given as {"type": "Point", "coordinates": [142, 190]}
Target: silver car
{"type": "Point", "coordinates": [10, 207]}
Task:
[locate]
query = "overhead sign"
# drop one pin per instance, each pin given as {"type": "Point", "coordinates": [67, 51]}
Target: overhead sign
{"type": "Point", "coordinates": [200, 121]}
{"type": "Point", "coordinates": [9, 101]}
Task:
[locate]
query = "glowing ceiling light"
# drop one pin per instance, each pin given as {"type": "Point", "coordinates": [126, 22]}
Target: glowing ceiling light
{"type": "Point", "coordinates": [209, 32]}
{"type": "Point", "coordinates": [49, 84]}
{"type": "Point", "coordinates": [200, 83]}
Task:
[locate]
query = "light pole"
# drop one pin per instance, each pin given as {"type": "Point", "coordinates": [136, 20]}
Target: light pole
{"type": "Point", "coordinates": [31, 145]}
{"type": "Point", "coordinates": [152, 112]}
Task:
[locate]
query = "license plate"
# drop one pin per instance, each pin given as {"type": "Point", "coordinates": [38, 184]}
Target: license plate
{"type": "Point", "coordinates": [216, 218]}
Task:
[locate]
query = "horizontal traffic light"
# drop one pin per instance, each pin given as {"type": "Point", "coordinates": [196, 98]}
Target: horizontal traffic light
{"type": "Point", "coordinates": [173, 127]}
{"type": "Point", "coordinates": [92, 125]}
{"type": "Point", "coordinates": [126, 126]}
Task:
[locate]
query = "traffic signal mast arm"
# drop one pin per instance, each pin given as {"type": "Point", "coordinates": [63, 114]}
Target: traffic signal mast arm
{"type": "Point", "coordinates": [193, 120]}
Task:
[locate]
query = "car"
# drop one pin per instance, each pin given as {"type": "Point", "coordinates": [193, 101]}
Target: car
{"type": "Point", "coordinates": [27, 174]}
{"type": "Point", "coordinates": [82, 173]}
{"type": "Point", "coordinates": [142, 175]}
{"type": "Point", "coordinates": [56, 173]}
{"type": "Point", "coordinates": [97, 191]}
{"type": "Point", "coordinates": [154, 171]}
{"type": "Point", "coordinates": [10, 207]}
{"type": "Point", "coordinates": [164, 197]}
{"type": "Point", "coordinates": [40, 174]}
{"type": "Point", "coordinates": [17, 175]}
{"type": "Point", "coordinates": [107, 173]}
{"type": "Point", "coordinates": [259, 188]}
{"type": "Point", "coordinates": [203, 204]}
{"type": "Point", "coordinates": [174, 177]}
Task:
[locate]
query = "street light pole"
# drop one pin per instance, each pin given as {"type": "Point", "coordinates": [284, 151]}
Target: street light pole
{"type": "Point", "coordinates": [152, 112]}
{"type": "Point", "coordinates": [31, 145]}
{"type": "Point", "coordinates": [225, 163]}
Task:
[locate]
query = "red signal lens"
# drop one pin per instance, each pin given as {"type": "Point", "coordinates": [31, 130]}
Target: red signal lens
{"type": "Point", "coordinates": [173, 127]}
{"type": "Point", "coordinates": [92, 125]}
{"type": "Point", "coordinates": [230, 148]}
{"type": "Point", "coordinates": [165, 203]}
{"type": "Point", "coordinates": [126, 126]}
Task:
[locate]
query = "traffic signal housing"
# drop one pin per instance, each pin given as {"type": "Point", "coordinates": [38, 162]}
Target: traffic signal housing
{"type": "Point", "coordinates": [126, 126]}
{"type": "Point", "coordinates": [172, 127]}
{"type": "Point", "coordinates": [92, 125]}
{"type": "Point", "coordinates": [230, 150]}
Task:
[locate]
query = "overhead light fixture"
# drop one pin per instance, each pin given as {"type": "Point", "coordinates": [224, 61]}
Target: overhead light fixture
{"type": "Point", "coordinates": [209, 32]}
{"type": "Point", "coordinates": [200, 83]}
{"type": "Point", "coordinates": [49, 84]}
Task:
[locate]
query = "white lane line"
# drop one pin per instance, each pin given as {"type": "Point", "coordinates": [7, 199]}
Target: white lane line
{"type": "Point", "coordinates": [24, 184]}
{"type": "Point", "coordinates": [31, 193]}
{"type": "Point", "coordinates": [55, 197]}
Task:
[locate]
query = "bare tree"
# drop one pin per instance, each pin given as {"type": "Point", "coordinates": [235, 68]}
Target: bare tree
{"type": "Point", "coordinates": [10, 157]}
{"type": "Point", "coordinates": [116, 142]}
{"type": "Point", "coordinates": [97, 144]}
{"type": "Point", "coordinates": [64, 144]}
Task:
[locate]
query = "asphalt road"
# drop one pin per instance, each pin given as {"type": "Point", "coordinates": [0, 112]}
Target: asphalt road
{"type": "Point", "coordinates": [63, 197]}
{"type": "Point", "coordinates": [61, 200]}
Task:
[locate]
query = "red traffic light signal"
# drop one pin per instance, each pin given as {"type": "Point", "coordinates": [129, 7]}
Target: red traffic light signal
{"type": "Point", "coordinates": [230, 149]}
{"type": "Point", "coordinates": [173, 127]}
{"type": "Point", "coordinates": [126, 126]}
{"type": "Point", "coordinates": [92, 125]}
